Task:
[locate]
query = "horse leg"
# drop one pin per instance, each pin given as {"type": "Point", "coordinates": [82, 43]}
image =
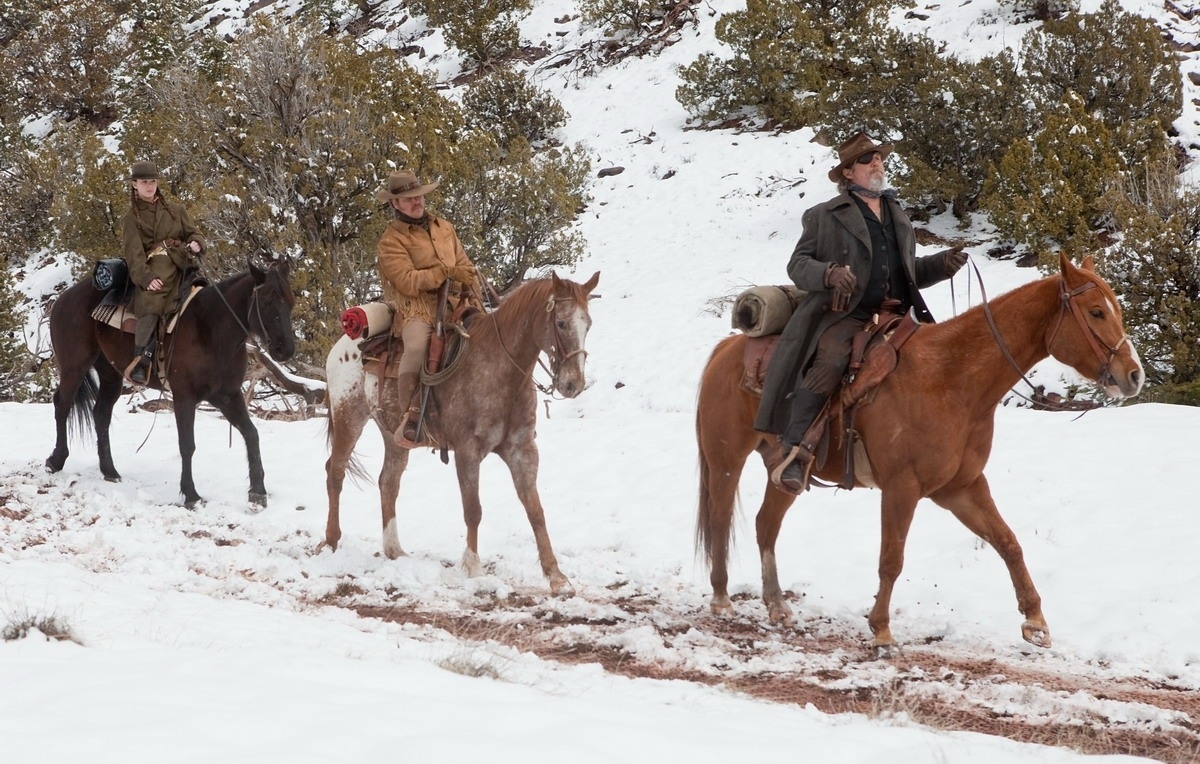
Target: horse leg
{"type": "Point", "coordinates": [344, 432]}
{"type": "Point", "coordinates": [522, 462]}
{"type": "Point", "coordinates": [106, 398]}
{"type": "Point", "coordinates": [233, 407]}
{"type": "Point", "coordinates": [466, 465]}
{"type": "Point", "coordinates": [896, 515]}
{"type": "Point", "coordinates": [70, 383]}
{"type": "Point", "coordinates": [185, 422]}
{"type": "Point", "coordinates": [766, 525]}
{"type": "Point", "coordinates": [714, 523]}
{"type": "Point", "coordinates": [974, 507]}
{"type": "Point", "coordinates": [395, 460]}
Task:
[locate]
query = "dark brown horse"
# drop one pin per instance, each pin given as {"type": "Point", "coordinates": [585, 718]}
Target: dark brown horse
{"type": "Point", "coordinates": [927, 432]}
{"type": "Point", "coordinates": [488, 405]}
{"type": "Point", "coordinates": [205, 355]}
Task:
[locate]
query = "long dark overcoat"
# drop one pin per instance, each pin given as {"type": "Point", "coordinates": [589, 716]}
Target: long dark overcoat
{"type": "Point", "coordinates": [834, 232]}
{"type": "Point", "coordinates": [144, 227]}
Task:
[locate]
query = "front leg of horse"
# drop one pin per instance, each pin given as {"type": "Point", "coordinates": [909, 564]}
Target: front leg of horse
{"type": "Point", "coordinates": [234, 409]}
{"type": "Point", "coordinates": [523, 464]}
{"type": "Point", "coordinates": [897, 508]}
{"type": "Point", "coordinates": [974, 507]}
{"type": "Point", "coordinates": [185, 420]}
{"type": "Point", "coordinates": [778, 610]}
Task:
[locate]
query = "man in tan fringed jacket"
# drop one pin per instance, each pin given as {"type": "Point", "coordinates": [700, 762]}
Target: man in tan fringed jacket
{"type": "Point", "coordinates": [418, 252]}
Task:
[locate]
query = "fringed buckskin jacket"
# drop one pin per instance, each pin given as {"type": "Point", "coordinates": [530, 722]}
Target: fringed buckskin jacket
{"type": "Point", "coordinates": [146, 227]}
{"type": "Point", "coordinates": [414, 262]}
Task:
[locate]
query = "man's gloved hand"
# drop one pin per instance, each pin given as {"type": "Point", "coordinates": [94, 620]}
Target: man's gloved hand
{"type": "Point", "coordinates": [954, 259]}
{"type": "Point", "coordinates": [463, 274]}
{"type": "Point", "coordinates": [841, 279]}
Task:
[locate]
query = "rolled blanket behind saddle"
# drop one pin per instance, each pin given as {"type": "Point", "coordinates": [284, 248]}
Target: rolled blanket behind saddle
{"type": "Point", "coordinates": [363, 321]}
{"type": "Point", "coordinates": [764, 310]}
{"type": "Point", "coordinates": [112, 273]}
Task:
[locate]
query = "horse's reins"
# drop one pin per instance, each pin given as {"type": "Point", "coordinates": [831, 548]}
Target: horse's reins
{"type": "Point", "coordinates": [555, 359]}
{"type": "Point", "coordinates": [1066, 298]}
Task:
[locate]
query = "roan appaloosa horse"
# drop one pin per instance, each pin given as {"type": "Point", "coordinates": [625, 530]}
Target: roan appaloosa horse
{"type": "Point", "coordinates": [487, 406]}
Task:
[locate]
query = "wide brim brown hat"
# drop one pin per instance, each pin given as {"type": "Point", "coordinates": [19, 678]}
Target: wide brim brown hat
{"type": "Point", "coordinates": [143, 170]}
{"type": "Point", "coordinates": [851, 150]}
{"type": "Point", "coordinates": [402, 184]}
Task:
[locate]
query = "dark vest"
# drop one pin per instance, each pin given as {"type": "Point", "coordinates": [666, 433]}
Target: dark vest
{"type": "Point", "coordinates": [887, 270]}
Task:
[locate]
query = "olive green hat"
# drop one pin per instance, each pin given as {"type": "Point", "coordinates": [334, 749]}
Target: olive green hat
{"type": "Point", "coordinates": [143, 170]}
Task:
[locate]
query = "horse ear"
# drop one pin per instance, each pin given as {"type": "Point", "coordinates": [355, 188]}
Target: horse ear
{"type": "Point", "coordinates": [1064, 263]}
{"type": "Point", "coordinates": [591, 283]}
{"type": "Point", "coordinates": [1088, 264]}
{"type": "Point", "coordinates": [555, 280]}
{"type": "Point", "coordinates": [259, 274]}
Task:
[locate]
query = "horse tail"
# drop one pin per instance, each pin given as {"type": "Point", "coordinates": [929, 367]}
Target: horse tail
{"type": "Point", "coordinates": [706, 540]}
{"type": "Point", "coordinates": [82, 421]}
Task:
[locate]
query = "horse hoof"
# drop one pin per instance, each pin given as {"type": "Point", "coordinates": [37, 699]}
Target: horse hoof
{"type": "Point", "coordinates": [54, 465]}
{"type": "Point", "coordinates": [258, 502]}
{"type": "Point", "coordinates": [470, 563]}
{"type": "Point", "coordinates": [780, 614]}
{"type": "Point", "coordinates": [561, 587]}
{"type": "Point", "coordinates": [1038, 636]}
{"type": "Point", "coordinates": [721, 606]}
{"type": "Point", "coordinates": [114, 478]}
{"type": "Point", "coordinates": [193, 503]}
{"type": "Point", "coordinates": [885, 652]}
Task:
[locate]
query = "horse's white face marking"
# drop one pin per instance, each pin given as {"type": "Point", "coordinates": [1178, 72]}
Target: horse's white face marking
{"type": "Point", "coordinates": [571, 380]}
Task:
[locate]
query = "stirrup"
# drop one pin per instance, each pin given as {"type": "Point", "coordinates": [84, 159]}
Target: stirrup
{"type": "Point", "coordinates": [406, 434]}
{"type": "Point", "coordinates": [806, 456]}
{"type": "Point", "coordinates": [136, 365]}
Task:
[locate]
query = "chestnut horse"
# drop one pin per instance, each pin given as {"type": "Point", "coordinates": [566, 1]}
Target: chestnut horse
{"type": "Point", "coordinates": [488, 405]}
{"type": "Point", "coordinates": [205, 354]}
{"type": "Point", "coordinates": [926, 432]}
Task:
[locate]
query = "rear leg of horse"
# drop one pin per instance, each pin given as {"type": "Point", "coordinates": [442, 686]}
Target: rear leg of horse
{"type": "Point", "coordinates": [71, 392]}
{"type": "Point", "coordinates": [766, 525]}
{"type": "Point", "coordinates": [522, 461]}
{"type": "Point", "coordinates": [110, 390]}
{"type": "Point", "coordinates": [974, 507]}
{"type": "Point", "coordinates": [233, 407]}
{"type": "Point", "coordinates": [896, 514]}
{"type": "Point", "coordinates": [346, 422]}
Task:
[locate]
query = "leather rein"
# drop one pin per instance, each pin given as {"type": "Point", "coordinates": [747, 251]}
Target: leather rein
{"type": "Point", "coordinates": [1067, 302]}
{"type": "Point", "coordinates": [556, 360]}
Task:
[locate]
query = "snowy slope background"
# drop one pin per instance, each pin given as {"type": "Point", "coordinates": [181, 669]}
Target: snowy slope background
{"type": "Point", "coordinates": [222, 633]}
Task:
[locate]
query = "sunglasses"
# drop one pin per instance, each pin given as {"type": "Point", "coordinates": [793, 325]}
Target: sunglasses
{"type": "Point", "coordinates": [867, 158]}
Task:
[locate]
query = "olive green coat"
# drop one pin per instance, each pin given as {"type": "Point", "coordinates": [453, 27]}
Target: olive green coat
{"type": "Point", "coordinates": [413, 264]}
{"type": "Point", "coordinates": [144, 228]}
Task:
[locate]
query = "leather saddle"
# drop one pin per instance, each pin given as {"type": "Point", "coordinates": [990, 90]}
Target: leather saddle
{"type": "Point", "coordinates": [874, 354]}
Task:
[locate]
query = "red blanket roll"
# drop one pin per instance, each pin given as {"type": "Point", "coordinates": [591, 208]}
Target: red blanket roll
{"type": "Point", "coordinates": [364, 321]}
{"type": "Point", "coordinates": [354, 322]}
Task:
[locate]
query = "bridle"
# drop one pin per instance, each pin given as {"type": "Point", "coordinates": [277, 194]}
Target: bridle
{"type": "Point", "coordinates": [1099, 347]}
{"type": "Point", "coordinates": [1067, 302]}
{"type": "Point", "coordinates": [556, 359]}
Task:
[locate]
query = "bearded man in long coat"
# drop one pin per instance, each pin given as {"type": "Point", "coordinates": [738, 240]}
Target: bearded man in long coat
{"type": "Point", "coordinates": [856, 250]}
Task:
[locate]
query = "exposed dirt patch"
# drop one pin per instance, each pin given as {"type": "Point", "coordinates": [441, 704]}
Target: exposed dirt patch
{"type": "Point", "coordinates": [935, 685]}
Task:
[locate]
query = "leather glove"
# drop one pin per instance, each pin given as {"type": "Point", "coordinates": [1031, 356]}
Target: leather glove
{"type": "Point", "coordinates": [463, 274]}
{"type": "Point", "coordinates": [841, 279]}
{"type": "Point", "coordinates": [954, 259]}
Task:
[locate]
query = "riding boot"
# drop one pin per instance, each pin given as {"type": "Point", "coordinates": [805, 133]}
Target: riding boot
{"type": "Point", "coordinates": [797, 451]}
{"type": "Point", "coordinates": [406, 434]}
{"type": "Point", "coordinates": [143, 356]}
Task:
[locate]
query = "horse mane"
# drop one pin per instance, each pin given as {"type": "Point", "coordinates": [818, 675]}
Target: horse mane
{"type": "Point", "coordinates": [528, 299]}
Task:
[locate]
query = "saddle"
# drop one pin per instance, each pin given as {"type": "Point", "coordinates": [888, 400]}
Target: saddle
{"type": "Point", "coordinates": [381, 357]}
{"type": "Point", "coordinates": [874, 354]}
{"type": "Point", "coordinates": [111, 276]}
